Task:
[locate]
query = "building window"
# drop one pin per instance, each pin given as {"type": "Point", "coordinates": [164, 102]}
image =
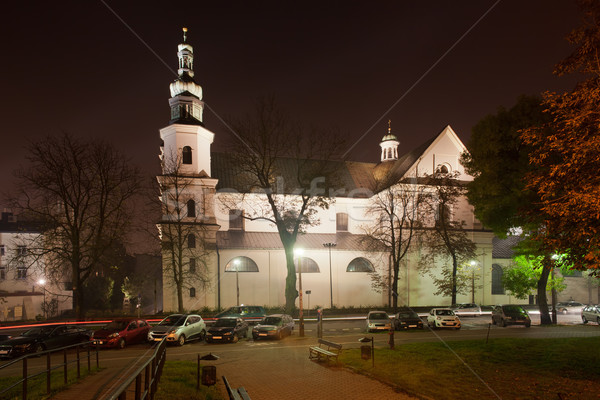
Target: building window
{"type": "Point", "coordinates": [308, 265]}
{"type": "Point", "coordinates": [442, 169]}
{"type": "Point", "coordinates": [21, 250]}
{"type": "Point", "coordinates": [2, 273]}
{"type": "Point", "coordinates": [192, 265]}
{"type": "Point", "coordinates": [21, 272]}
{"type": "Point", "coordinates": [236, 220]}
{"type": "Point", "coordinates": [191, 208]}
{"type": "Point", "coordinates": [2, 250]}
{"type": "Point", "coordinates": [341, 222]}
{"type": "Point", "coordinates": [241, 264]}
{"type": "Point", "coordinates": [192, 292]}
{"type": "Point", "coordinates": [191, 241]}
{"type": "Point", "coordinates": [497, 286]}
{"type": "Point", "coordinates": [187, 155]}
{"type": "Point", "coordinates": [360, 264]}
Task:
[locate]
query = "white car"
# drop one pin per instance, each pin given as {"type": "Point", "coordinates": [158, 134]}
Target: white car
{"type": "Point", "coordinates": [591, 313]}
{"type": "Point", "coordinates": [443, 318]}
{"type": "Point", "coordinates": [179, 328]}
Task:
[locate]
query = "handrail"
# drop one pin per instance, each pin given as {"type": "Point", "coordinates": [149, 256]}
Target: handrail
{"type": "Point", "coordinates": [49, 368]}
{"type": "Point", "coordinates": [151, 370]}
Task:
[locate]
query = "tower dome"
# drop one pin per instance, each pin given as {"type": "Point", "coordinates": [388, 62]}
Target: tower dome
{"type": "Point", "coordinates": [389, 145]}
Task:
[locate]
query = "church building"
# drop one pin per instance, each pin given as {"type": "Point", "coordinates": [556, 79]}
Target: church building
{"type": "Point", "coordinates": [219, 260]}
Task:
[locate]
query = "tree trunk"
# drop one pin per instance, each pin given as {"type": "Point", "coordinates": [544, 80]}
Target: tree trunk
{"type": "Point", "coordinates": [542, 300]}
{"type": "Point", "coordinates": [291, 293]}
{"type": "Point", "coordinates": [395, 286]}
{"type": "Point", "coordinates": [180, 297]}
{"type": "Point", "coordinates": [454, 269]}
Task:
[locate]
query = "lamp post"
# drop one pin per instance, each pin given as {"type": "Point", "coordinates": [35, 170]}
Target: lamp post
{"type": "Point", "coordinates": [42, 282]}
{"type": "Point", "coordinates": [329, 246]}
{"type": "Point", "coordinates": [299, 253]}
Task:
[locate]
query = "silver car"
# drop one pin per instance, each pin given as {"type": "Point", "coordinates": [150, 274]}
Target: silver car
{"type": "Point", "coordinates": [591, 313]}
{"type": "Point", "coordinates": [466, 309]}
{"type": "Point", "coordinates": [179, 328]}
{"type": "Point", "coordinates": [378, 321]}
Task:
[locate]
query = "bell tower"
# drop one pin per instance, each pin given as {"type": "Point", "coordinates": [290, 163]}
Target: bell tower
{"type": "Point", "coordinates": [389, 145]}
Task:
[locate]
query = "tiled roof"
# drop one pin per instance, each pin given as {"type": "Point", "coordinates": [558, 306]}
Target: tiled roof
{"type": "Point", "coordinates": [271, 240]}
{"type": "Point", "coordinates": [503, 248]}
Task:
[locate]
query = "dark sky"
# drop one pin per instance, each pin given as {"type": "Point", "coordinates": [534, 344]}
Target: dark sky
{"type": "Point", "coordinates": [75, 66]}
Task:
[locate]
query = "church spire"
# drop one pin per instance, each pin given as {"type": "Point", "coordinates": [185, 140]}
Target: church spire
{"type": "Point", "coordinates": [389, 145]}
{"type": "Point", "coordinates": [186, 95]}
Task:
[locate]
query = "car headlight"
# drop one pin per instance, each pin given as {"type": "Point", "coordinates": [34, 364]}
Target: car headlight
{"type": "Point", "coordinates": [227, 333]}
{"type": "Point", "coordinates": [113, 335]}
{"type": "Point", "coordinates": [23, 346]}
{"type": "Point", "coordinates": [172, 331]}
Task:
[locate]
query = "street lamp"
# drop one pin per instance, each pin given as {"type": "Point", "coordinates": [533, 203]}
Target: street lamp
{"type": "Point", "coordinates": [329, 246]}
{"type": "Point", "coordinates": [42, 282]}
{"type": "Point", "coordinates": [236, 262]}
{"type": "Point", "coordinates": [298, 253]}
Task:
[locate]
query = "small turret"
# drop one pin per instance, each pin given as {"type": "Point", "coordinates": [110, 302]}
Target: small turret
{"type": "Point", "coordinates": [389, 145]}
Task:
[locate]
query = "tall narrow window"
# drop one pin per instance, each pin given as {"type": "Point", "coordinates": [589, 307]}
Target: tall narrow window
{"type": "Point", "coordinates": [497, 286]}
{"type": "Point", "coordinates": [21, 250]}
{"type": "Point", "coordinates": [187, 155]}
{"type": "Point", "coordinates": [21, 272]}
{"type": "Point", "coordinates": [2, 250]}
{"type": "Point", "coordinates": [341, 222]}
{"type": "Point", "coordinates": [192, 292]}
{"type": "Point", "coordinates": [191, 241]}
{"type": "Point", "coordinates": [191, 208]}
{"type": "Point", "coordinates": [192, 265]}
{"type": "Point", "coordinates": [2, 273]}
{"type": "Point", "coordinates": [236, 220]}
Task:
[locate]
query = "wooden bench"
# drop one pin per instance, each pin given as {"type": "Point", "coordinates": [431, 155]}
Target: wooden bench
{"type": "Point", "coordinates": [235, 394]}
{"type": "Point", "coordinates": [325, 349]}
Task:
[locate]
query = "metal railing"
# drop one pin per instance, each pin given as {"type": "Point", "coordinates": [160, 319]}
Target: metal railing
{"type": "Point", "coordinates": [150, 372]}
{"type": "Point", "coordinates": [49, 367]}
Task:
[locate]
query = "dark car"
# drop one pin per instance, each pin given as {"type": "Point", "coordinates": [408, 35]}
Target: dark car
{"type": "Point", "coordinates": [245, 312]}
{"type": "Point", "coordinates": [227, 329]}
{"type": "Point", "coordinates": [122, 332]}
{"type": "Point", "coordinates": [510, 314]}
{"type": "Point", "coordinates": [274, 326]}
{"type": "Point", "coordinates": [43, 338]}
{"type": "Point", "coordinates": [406, 319]}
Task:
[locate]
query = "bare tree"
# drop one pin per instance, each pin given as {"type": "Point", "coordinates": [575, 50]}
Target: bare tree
{"type": "Point", "coordinates": [183, 229]}
{"type": "Point", "coordinates": [444, 235]}
{"type": "Point", "coordinates": [80, 192]}
{"type": "Point", "coordinates": [395, 207]}
{"type": "Point", "coordinates": [288, 174]}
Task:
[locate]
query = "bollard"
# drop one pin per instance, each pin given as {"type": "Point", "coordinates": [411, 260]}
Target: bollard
{"type": "Point", "coordinates": [391, 340]}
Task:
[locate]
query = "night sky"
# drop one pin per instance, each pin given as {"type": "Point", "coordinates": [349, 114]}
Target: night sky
{"type": "Point", "coordinates": [75, 66]}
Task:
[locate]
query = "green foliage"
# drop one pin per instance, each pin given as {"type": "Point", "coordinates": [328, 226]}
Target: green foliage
{"type": "Point", "coordinates": [98, 291]}
{"type": "Point", "coordinates": [521, 278]}
{"type": "Point", "coordinates": [179, 380]}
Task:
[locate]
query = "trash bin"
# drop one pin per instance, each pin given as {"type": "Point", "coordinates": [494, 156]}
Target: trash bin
{"type": "Point", "coordinates": [209, 375]}
{"type": "Point", "coordinates": [365, 352]}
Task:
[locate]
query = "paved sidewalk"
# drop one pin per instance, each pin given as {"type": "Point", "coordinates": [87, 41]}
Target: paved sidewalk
{"type": "Point", "coordinates": [268, 370]}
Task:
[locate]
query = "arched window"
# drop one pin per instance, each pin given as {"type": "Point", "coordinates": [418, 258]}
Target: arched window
{"type": "Point", "coordinates": [497, 286]}
{"type": "Point", "coordinates": [241, 264]}
{"type": "Point", "coordinates": [192, 292]}
{"type": "Point", "coordinates": [360, 264]}
{"type": "Point", "coordinates": [192, 265]}
{"type": "Point", "coordinates": [308, 265]}
{"type": "Point", "coordinates": [191, 208]}
{"type": "Point", "coordinates": [187, 155]}
{"type": "Point", "coordinates": [191, 241]}
{"type": "Point", "coordinates": [443, 169]}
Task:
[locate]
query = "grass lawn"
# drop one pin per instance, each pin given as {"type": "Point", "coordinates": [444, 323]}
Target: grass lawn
{"type": "Point", "coordinates": [178, 382]}
{"type": "Point", "coordinates": [504, 368]}
{"type": "Point", "coordinates": [36, 387]}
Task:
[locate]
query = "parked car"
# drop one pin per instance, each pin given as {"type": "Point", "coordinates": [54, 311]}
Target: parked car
{"type": "Point", "coordinates": [510, 314]}
{"type": "Point", "coordinates": [227, 329]}
{"type": "Point", "coordinates": [4, 337]}
{"type": "Point", "coordinates": [179, 328]}
{"type": "Point", "coordinates": [591, 313]}
{"type": "Point", "coordinates": [406, 319]}
{"type": "Point", "coordinates": [245, 312]}
{"type": "Point", "coordinates": [378, 321]}
{"type": "Point", "coordinates": [274, 326]}
{"type": "Point", "coordinates": [42, 338]}
{"type": "Point", "coordinates": [569, 307]}
{"type": "Point", "coordinates": [121, 332]}
{"type": "Point", "coordinates": [466, 309]}
{"type": "Point", "coordinates": [443, 318]}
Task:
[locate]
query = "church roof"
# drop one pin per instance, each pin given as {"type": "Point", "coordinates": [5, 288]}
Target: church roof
{"type": "Point", "coordinates": [504, 248]}
{"type": "Point", "coordinates": [271, 240]}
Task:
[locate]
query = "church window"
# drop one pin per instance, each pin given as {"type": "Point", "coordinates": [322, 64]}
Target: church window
{"type": "Point", "coordinates": [497, 286]}
{"type": "Point", "coordinates": [191, 208]}
{"type": "Point", "coordinates": [187, 155]}
{"type": "Point", "coordinates": [308, 265]}
{"type": "Point", "coordinates": [21, 272]}
{"type": "Point", "coordinates": [241, 264]}
{"type": "Point", "coordinates": [191, 239]}
{"type": "Point", "coordinates": [2, 250]}
{"type": "Point", "coordinates": [2, 273]}
{"type": "Point", "coordinates": [236, 220]}
{"type": "Point", "coordinates": [192, 265]}
{"type": "Point", "coordinates": [341, 222]}
{"type": "Point", "coordinates": [360, 264]}
{"type": "Point", "coordinates": [192, 292]}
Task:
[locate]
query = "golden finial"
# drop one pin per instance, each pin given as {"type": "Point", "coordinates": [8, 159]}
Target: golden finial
{"type": "Point", "coordinates": [390, 126]}
{"type": "Point", "coordinates": [184, 34]}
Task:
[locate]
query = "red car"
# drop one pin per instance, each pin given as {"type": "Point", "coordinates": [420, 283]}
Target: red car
{"type": "Point", "coordinates": [122, 332]}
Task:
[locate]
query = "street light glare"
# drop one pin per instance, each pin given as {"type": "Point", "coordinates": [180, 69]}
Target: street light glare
{"type": "Point", "coordinates": [42, 282]}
